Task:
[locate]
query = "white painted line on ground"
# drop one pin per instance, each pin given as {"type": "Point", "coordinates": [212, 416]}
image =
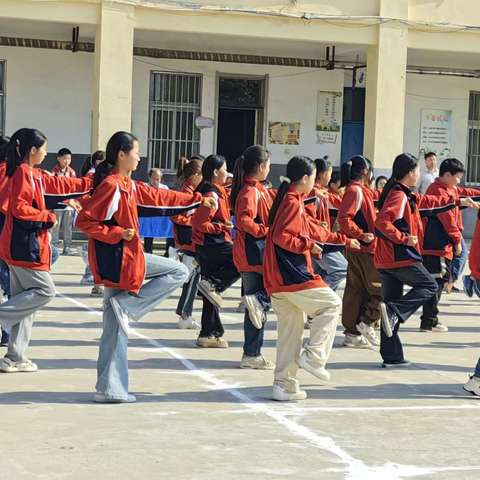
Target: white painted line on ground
{"type": "Point", "coordinates": [355, 469]}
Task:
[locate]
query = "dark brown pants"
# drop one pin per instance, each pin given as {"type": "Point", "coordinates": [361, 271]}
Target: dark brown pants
{"type": "Point", "coordinates": [363, 292]}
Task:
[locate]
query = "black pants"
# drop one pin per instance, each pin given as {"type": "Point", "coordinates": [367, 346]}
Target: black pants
{"type": "Point", "coordinates": [216, 265]}
{"type": "Point", "coordinates": [148, 244]}
{"type": "Point", "coordinates": [440, 269]}
{"type": "Point", "coordinates": [424, 287]}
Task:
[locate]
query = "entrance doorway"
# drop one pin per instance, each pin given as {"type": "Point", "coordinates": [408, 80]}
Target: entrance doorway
{"type": "Point", "coordinates": [240, 116]}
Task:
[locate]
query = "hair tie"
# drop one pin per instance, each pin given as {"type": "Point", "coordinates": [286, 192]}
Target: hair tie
{"type": "Point", "coordinates": [285, 179]}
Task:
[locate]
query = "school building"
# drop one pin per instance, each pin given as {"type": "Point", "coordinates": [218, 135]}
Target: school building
{"type": "Point", "coordinates": [335, 77]}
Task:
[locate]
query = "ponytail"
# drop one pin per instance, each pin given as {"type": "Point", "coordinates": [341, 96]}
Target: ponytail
{"type": "Point", "coordinates": [402, 166]}
{"type": "Point", "coordinates": [297, 167]}
{"type": "Point", "coordinates": [20, 145]}
{"type": "Point", "coordinates": [247, 164]}
{"type": "Point", "coordinates": [354, 169]}
{"type": "Point", "coordinates": [119, 142]}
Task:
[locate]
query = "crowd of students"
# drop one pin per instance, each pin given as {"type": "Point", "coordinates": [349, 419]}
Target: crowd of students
{"type": "Point", "coordinates": [291, 247]}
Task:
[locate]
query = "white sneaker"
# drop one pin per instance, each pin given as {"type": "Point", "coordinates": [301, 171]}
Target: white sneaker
{"type": "Point", "coordinates": [188, 323]}
{"type": "Point", "coordinates": [211, 342]}
{"type": "Point", "coordinates": [356, 341]}
{"type": "Point", "coordinates": [320, 372]}
{"type": "Point", "coordinates": [9, 366]}
{"type": "Point", "coordinates": [473, 385]}
{"type": "Point", "coordinates": [122, 317]}
{"type": "Point", "coordinates": [256, 363]}
{"type": "Point", "coordinates": [102, 398]}
{"type": "Point", "coordinates": [207, 289]}
{"type": "Point", "coordinates": [281, 394]}
{"type": "Point", "coordinates": [255, 310]}
{"type": "Point", "coordinates": [440, 328]}
{"type": "Point", "coordinates": [369, 333]}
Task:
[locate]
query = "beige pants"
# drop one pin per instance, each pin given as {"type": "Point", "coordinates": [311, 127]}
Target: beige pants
{"type": "Point", "coordinates": [321, 303]}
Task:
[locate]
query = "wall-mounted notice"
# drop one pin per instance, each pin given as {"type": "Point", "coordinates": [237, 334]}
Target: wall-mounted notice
{"type": "Point", "coordinates": [329, 116]}
{"type": "Point", "coordinates": [284, 133]}
{"type": "Point", "coordinates": [436, 132]}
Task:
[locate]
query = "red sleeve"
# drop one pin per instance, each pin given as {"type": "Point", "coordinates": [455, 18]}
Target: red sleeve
{"type": "Point", "coordinates": [22, 191]}
{"type": "Point", "coordinates": [65, 185]}
{"type": "Point", "coordinates": [323, 235]}
{"type": "Point", "coordinates": [288, 227]}
{"type": "Point", "coordinates": [392, 210]}
{"type": "Point", "coordinates": [351, 204]}
{"type": "Point", "coordinates": [202, 218]}
{"type": "Point", "coordinates": [161, 197]}
{"type": "Point", "coordinates": [246, 210]}
{"type": "Point", "coordinates": [468, 192]}
{"type": "Point", "coordinates": [427, 202]}
{"type": "Point", "coordinates": [96, 209]}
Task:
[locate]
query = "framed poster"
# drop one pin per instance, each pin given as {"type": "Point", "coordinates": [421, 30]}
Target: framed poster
{"type": "Point", "coordinates": [435, 132]}
{"type": "Point", "coordinates": [329, 116]}
{"type": "Point", "coordinates": [284, 133]}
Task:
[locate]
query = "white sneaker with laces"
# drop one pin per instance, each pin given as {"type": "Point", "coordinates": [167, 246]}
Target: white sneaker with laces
{"type": "Point", "coordinates": [369, 333]}
{"type": "Point", "coordinates": [320, 372]}
{"type": "Point", "coordinates": [122, 317]}
{"type": "Point", "coordinates": [208, 289]}
{"type": "Point", "coordinates": [256, 363]}
{"type": "Point", "coordinates": [356, 341]}
{"type": "Point", "coordinates": [473, 385]}
{"type": "Point", "coordinates": [255, 310]}
{"type": "Point", "coordinates": [9, 366]}
{"type": "Point", "coordinates": [188, 323]}
{"type": "Point", "coordinates": [281, 394]}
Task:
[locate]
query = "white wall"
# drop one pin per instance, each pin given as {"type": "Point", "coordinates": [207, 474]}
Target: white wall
{"type": "Point", "coordinates": [292, 97]}
{"type": "Point", "coordinates": [444, 93]}
{"type": "Point", "coordinates": [50, 90]}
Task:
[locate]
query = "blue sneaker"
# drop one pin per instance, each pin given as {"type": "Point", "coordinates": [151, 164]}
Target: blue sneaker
{"type": "Point", "coordinates": [468, 285]}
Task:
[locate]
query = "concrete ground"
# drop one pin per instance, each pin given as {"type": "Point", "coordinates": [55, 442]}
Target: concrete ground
{"type": "Point", "coordinates": [199, 416]}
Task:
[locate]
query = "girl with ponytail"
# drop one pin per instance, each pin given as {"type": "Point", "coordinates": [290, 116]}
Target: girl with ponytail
{"type": "Point", "coordinates": [293, 239]}
{"type": "Point", "coordinates": [251, 203]}
{"type": "Point", "coordinates": [398, 255]}
{"type": "Point", "coordinates": [25, 239]}
{"type": "Point", "coordinates": [110, 219]}
{"type": "Point", "coordinates": [356, 218]}
{"type": "Point", "coordinates": [190, 174]}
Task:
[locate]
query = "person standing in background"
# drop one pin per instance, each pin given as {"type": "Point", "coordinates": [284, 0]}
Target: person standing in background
{"type": "Point", "coordinates": [65, 216]}
{"type": "Point", "coordinates": [430, 174]}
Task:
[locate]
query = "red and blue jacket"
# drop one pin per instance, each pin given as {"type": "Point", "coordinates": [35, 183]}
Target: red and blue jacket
{"type": "Point", "coordinates": [251, 222]}
{"type": "Point", "coordinates": [357, 214]}
{"type": "Point", "coordinates": [210, 224]}
{"type": "Point", "coordinates": [182, 224]}
{"type": "Point", "coordinates": [401, 216]}
{"type": "Point", "coordinates": [24, 241]}
{"type": "Point", "coordinates": [114, 206]}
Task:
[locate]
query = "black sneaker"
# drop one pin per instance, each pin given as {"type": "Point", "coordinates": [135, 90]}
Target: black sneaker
{"type": "Point", "coordinates": [4, 340]}
{"type": "Point", "coordinates": [396, 364]}
{"type": "Point", "coordinates": [389, 320]}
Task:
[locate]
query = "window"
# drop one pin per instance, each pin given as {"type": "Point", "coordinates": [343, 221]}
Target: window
{"type": "Point", "coordinates": [2, 97]}
{"type": "Point", "coordinates": [174, 105]}
{"type": "Point", "coordinates": [473, 141]}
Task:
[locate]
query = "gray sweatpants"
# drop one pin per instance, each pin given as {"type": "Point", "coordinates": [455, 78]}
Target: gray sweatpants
{"type": "Point", "coordinates": [30, 291]}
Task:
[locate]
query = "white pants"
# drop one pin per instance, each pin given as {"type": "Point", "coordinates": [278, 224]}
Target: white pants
{"type": "Point", "coordinates": [321, 303]}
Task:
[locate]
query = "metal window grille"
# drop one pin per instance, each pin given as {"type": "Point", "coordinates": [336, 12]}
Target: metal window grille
{"type": "Point", "coordinates": [174, 105]}
{"type": "Point", "coordinates": [473, 149]}
{"type": "Point", "coordinates": [2, 97]}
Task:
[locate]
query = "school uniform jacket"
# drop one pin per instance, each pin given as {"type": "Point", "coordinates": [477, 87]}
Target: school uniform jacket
{"type": "Point", "coordinates": [288, 261]}
{"type": "Point", "coordinates": [357, 214]}
{"type": "Point", "coordinates": [400, 217]}
{"type": "Point", "coordinates": [335, 200]}
{"type": "Point", "coordinates": [182, 224]}
{"type": "Point", "coordinates": [209, 224]}
{"type": "Point", "coordinates": [474, 254]}
{"type": "Point", "coordinates": [68, 172]}
{"type": "Point", "coordinates": [24, 239]}
{"type": "Point", "coordinates": [251, 222]}
{"type": "Point", "coordinates": [113, 207]}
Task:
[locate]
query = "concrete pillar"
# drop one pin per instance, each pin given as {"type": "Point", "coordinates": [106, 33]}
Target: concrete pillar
{"type": "Point", "coordinates": [112, 105]}
{"type": "Point", "coordinates": [385, 88]}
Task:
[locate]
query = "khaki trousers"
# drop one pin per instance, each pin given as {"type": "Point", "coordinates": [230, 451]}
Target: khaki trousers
{"type": "Point", "coordinates": [321, 303]}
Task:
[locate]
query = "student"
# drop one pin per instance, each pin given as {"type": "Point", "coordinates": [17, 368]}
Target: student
{"type": "Point", "coordinates": [191, 175]}
{"type": "Point", "coordinates": [443, 237]}
{"type": "Point", "coordinates": [295, 288]}
{"type": "Point", "coordinates": [335, 197]}
{"type": "Point", "coordinates": [88, 170]}
{"type": "Point", "coordinates": [24, 241]}
{"type": "Point", "coordinates": [398, 253]}
{"type": "Point", "coordinates": [110, 218]}
{"type": "Point", "coordinates": [356, 217]}
{"type": "Point", "coordinates": [251, 204]}
{"type": "Point", "coordinates": [64, 216]}
{"type": "Point", "coordinates": [380, 183]}
{"type": "Point", "coordinates": [332, 265]}
{"type": "Point", "coordinates": [155, 180]}
{"type": "Point", "coordinates": [213, 240]}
